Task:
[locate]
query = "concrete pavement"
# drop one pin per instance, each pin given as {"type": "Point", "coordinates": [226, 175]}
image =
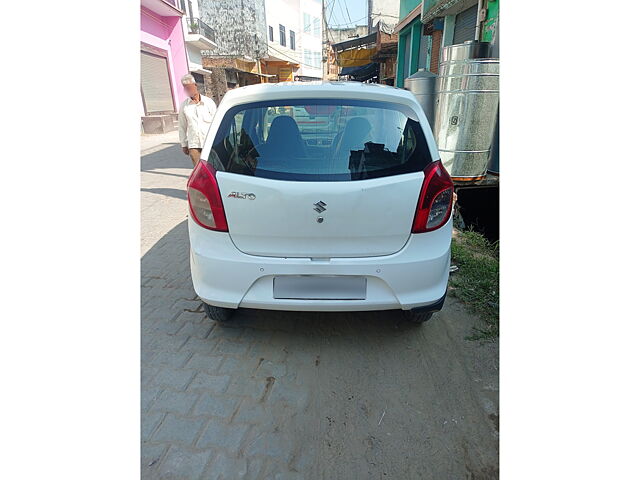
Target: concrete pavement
{"type": "Point", "coordinates": [290, 395]}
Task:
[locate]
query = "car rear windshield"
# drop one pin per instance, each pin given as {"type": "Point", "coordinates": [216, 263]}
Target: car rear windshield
{"type": "Point", "coordinates": [320, 140]}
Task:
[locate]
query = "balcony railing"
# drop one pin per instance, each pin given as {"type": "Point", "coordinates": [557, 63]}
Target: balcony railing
{"type": "Point", "coordinates": [198, 27]}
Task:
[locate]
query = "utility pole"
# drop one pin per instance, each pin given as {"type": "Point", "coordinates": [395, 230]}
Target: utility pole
{"type": "Point", "coordinates": [325, 65]}
{"type": "Point", "coordinates": [258, 63]}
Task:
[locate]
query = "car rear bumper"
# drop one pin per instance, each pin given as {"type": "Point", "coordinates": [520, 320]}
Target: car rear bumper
{"type": "Point", "coordinates": [416, 276]}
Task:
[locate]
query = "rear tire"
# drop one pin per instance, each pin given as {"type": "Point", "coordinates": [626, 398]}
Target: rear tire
{"type": "Point", "coordinates": [417, 317]}
{"type": "Point", "coordinates": [218, 314]}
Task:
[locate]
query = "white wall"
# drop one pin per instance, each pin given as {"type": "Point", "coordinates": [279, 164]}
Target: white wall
{"type": "Point", "coordinates": [286, 13]}
{"type": "Point", "coordinates": [385, 11]}
{"type": "Point", "coordinates": [290, 14]}
{"type": "Point", "coordinates": [311, 42]}
{"type": "Point", "coordinates": [194, 56]}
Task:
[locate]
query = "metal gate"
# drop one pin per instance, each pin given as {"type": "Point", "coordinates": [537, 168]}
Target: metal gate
{"type": "Point", "coordinates": [465, 28]}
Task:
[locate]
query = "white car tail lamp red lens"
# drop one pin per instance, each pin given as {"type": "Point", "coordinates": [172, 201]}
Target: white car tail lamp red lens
{"type": "Point", "coordinates": [435, 201]}
{"type": "Point", "coordinates": [205, 202]}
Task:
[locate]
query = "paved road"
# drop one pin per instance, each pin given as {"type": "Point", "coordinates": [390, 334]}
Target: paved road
{"type": "Point", "coordinates": [287, 395]}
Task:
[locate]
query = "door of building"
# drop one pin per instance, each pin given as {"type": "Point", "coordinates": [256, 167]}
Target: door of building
{"type": "Point", "coordinates": [154, 80]}
{"type": "Point", "coordinates": [199, 78]}
{"type": "Point", "coordinates": [465, 28]}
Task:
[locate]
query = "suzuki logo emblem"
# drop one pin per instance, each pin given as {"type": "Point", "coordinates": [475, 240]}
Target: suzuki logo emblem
{"type": "Point", "coordinates": [320, 206]}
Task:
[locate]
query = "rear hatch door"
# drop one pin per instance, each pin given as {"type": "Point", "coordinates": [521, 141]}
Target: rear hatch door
{"type": "Point", "coordinates": [319, 219]}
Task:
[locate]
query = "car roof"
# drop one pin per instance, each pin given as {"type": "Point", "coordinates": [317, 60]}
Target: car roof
{"type": "Point", "coordinates": [317, 89]}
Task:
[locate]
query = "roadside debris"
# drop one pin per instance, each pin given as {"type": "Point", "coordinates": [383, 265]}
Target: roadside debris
{"type": "Point", "coordinates": [380, 421]}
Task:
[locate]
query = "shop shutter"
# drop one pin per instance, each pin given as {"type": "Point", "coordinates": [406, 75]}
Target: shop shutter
{"type": "Point", "coordinates": [465, 28]}
{"type": "Point", "coordinates": [156, 90]}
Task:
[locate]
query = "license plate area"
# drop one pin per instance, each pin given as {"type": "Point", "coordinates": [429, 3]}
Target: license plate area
{"type": "Point", "coordinates": [319, 287]}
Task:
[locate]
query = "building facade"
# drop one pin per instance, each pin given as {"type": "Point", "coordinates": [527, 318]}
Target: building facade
{"type": "Point", "coordinates": [463, 19]}
{"type": "Point", "coordinates": [163, 62]}
{"type": "Point", "coordinates": [259, 41]}
{"type": "Point", "coordinates": [199, 37]}
{"type": "Point", "coordinates": [339, 35]}
{"type": "Point", "coordinates": [239, 27]}
{"type": "Point", "coordinates": [294, 40]}
{"type": "Point", "coordinates": [383, 15]}
{"type": "Point", "coordinates": [239, 34]}
{"type": "Point", "coordinates": [413, 45]}
{"type": "Point", "coordinates": [425, 27]}
{"type": "Point", "coordinates": [229, 72]}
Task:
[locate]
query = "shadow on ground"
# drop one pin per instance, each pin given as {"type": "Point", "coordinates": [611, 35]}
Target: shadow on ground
{"type": "Point", "coordinates": [167, 192]}
{"type": "Point", "coordinates": [166, 155]}
{"type": "Point", "coordinates": [317, 395]}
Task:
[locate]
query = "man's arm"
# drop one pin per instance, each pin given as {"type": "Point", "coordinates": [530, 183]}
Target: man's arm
{"type": "Point", "coordinates": [182, 130]}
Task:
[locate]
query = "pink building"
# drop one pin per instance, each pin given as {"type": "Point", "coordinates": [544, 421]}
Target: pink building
{"type": "Point", "coordinates": [163, 61]}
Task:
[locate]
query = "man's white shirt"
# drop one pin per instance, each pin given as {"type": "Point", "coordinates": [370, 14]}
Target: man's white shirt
{"type": "Point", "coordinates": [194, 120]}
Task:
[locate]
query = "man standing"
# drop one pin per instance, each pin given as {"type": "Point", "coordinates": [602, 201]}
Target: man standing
{"type": "Point", "coordinates": [194, 119]}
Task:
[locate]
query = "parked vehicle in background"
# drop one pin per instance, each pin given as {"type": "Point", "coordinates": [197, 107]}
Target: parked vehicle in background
{"type": "Point", "coordinates": [320, 197]}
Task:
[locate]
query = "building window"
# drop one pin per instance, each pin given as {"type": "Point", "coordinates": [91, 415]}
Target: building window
{"type": "Point", "coordinates": [311, 59]}
{"type": "Point", "coordinates": [311, 25]}
{"type": "Point", "coordinates": [271, 34]}
{"type": "Point", "coordinates": [292, 40]}
{"type": "Point", "coordinates": [307, 23]}
{"type": "Point", "coordinates": [283, 37]}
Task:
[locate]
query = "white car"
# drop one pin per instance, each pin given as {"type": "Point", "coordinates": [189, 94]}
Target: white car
{"type": "Point", "coordinates": [320, 197]}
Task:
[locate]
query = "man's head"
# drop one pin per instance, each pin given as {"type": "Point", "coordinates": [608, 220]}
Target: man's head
{"type": "Point", "coordinates": [189, 84]}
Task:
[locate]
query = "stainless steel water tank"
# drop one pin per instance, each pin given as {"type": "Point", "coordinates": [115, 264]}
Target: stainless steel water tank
{"type": "Point", "coordinates": [467, 105]}
{"type": "Point", "coordinates": [423, 85]}
{"type": "Point", "coordinates": [494, 158]}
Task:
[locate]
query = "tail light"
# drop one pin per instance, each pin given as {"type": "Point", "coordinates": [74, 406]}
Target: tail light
{"type": "Point", "coordinates": [205, 202]}
{"type": "Point", "coordinates": [436, 199]}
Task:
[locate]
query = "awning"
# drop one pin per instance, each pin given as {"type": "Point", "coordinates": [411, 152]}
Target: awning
{"type": "Point", "coordinates": [439, 9]}
{"type": "Point", "coordinates": [355, 43]}
{"type": "Point", "coordinates": [305, 78]}
{"type": "Point", "coordinates": [362, 73]}
{"type": "Point", "coordinates": [355, 58]}
{"type": "Point", "coordinates": [233, 69]}
{"type": "Point", "coordinates": [265, 75]}
{"type": "Point", "coordinates": [200, 70]}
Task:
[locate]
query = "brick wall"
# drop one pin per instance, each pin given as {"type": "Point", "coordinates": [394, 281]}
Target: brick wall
{"type": "Point", "coordinates": [216, 62]}
{"type": "Point", "coordinates": [436, 41]}
{"type": "Point", "coordinates": [215, 85]}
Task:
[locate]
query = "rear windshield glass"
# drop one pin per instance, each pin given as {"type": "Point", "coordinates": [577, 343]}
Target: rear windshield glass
{"type": "Point", "coordinates": [320, 140]}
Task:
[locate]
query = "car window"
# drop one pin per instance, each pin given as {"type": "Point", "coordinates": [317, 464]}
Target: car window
{"type": "Point", "coordinates": [320, 140]}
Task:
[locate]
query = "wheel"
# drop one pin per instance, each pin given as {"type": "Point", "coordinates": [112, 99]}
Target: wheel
{"type": "Point", "coordinates": [218, 314]}
{"type": "Point", "coordinates": [417, 317]}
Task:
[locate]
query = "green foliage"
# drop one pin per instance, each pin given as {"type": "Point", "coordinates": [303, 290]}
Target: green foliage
{"type": "Point", "coordinates": [476, 282]}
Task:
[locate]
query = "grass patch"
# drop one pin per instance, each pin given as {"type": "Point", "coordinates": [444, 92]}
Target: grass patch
{"type": "Point", "coordinates": [476, 281]}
